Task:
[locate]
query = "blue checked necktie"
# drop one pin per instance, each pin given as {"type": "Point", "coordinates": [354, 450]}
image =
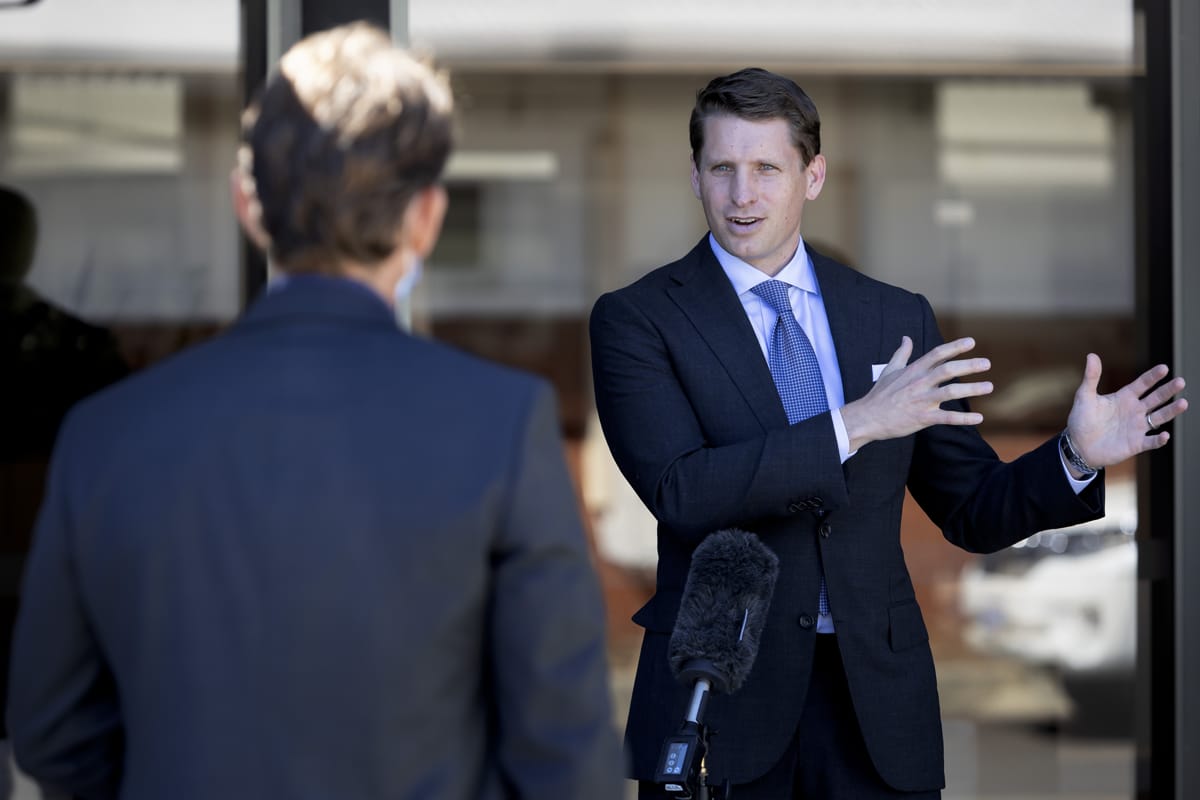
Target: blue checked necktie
{"type": "Point", "coordinates": [796, 371]}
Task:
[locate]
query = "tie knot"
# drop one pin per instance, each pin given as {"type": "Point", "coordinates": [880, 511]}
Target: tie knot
{"type": "Point", "coordinates": [775, 294]}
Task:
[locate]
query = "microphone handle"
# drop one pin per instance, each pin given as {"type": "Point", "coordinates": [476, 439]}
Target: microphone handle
{"type": "Point", "coordinates": [699, 700]}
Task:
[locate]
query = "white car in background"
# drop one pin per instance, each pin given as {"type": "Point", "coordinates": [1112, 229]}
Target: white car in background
{"type": "Point", "coordinates": [1063, 598]}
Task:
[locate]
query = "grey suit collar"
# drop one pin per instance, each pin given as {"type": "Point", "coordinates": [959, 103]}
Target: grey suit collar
{"type": "Point", "coordinates": [704, 294]}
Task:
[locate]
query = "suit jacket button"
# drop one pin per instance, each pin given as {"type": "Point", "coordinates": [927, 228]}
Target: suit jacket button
{"type": "Point", "coordinates": [825, 529]}
{"type": "Point", "coordinates": [806, 621]}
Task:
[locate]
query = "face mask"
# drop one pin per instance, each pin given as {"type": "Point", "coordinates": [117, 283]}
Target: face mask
{"type": "Point", "coordinates": [406, 284]}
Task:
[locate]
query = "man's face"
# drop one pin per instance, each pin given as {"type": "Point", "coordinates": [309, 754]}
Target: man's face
{"type": "Point", "coordinates": [752, 185]}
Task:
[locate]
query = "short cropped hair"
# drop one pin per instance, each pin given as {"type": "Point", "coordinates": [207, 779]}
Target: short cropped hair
{"type": "Point", "coordinates": [338, 143]}
{"type": "Point", "coordinates": [756, 94]}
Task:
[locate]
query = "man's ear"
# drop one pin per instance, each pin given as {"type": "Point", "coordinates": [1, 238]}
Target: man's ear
{"type": "Point", "coordinates": [816, 177]}
{"type": "Point", "coordinates": [423, 220]}
{"type": "Point", "coordinates": [247, 207]}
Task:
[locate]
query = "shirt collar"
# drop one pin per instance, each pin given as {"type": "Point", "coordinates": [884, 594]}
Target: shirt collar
{"type": "Point", "coordinates": [798, 272]}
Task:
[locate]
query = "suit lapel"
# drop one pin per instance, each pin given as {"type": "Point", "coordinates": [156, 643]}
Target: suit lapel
{"type": "Point", "coordinates": [853, 313]}
{"type": "Point", "coordinates": [706, 297]}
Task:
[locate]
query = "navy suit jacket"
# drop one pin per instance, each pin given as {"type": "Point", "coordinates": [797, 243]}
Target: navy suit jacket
{"type": "Point", "coordinates": [314, 557]}
{"type": "Point", "coordinates": [695, 423]}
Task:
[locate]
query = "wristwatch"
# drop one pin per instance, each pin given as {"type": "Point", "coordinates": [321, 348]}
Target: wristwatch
{"type": "Point", "coordinates": [1072, 457]}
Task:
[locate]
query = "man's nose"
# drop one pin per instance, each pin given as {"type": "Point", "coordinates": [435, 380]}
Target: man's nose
{"type": "Point", "coordinates": [743, 190]}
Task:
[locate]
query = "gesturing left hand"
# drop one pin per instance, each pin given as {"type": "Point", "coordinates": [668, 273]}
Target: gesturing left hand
{"type": "Point", "coordinates": [1109, 428]}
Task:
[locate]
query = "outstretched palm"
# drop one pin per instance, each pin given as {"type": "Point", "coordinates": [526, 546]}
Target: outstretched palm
{"type": "Point", "coordinates": [1109, 428]}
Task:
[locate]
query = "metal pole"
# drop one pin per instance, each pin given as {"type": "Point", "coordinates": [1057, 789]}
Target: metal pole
{"type": "Point", "coordinates": [283, 28]}
{"type": "Point", "coordinates": [398, 10]}
{"type": "Point", "coordinates": [255, 65]}
{"type": "Point", "coordinates": [1185, 85]}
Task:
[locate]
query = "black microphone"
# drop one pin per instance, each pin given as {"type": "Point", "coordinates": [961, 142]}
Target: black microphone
{"type": "Point", "coordinates": [715, 640]}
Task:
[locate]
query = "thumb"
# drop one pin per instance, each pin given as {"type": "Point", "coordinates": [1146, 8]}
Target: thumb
{"type": "Point", "coordinates": [1091, 375]}
{"type": "Point", "coordinates": [899, 358]}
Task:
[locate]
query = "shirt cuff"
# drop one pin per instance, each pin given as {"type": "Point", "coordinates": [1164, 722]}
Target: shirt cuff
{"type": "Point", "coordinates": [1077, 485]}
{"type": "Point", "coordinates": [843, 438]}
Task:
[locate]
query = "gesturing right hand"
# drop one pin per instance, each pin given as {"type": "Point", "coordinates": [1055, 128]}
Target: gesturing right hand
{"type": "Point", "coordinates": [908, 397]}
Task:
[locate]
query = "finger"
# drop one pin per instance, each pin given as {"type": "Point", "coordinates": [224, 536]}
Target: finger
{"type": "Point", "coordinates": [899, 359]}
{"type": "Point", "coordinates": [1161, 416]}
{"type": "Point", "coordinates": [1156, 441]}
{"type": "Point", "coordinates": [957, 391]}
{"type": "Point", "coordinates": [1146, 381]}
{"type": "Point", "coordinates": [960, 368]}
{"type": "Point", "coordinates": [945, 352]}
{"type": "Point", "coordinates": [959, 418]}
{"type": "Point", "coordinates": [1163, 394]}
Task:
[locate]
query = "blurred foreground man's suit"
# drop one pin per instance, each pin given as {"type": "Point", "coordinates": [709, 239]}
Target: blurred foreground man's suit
{"type": "Point", "coordinates": [317, 557]}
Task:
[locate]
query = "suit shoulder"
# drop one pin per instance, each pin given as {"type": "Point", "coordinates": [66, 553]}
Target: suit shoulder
{"type": "Point", "coordinates": [837, 273]}
{"type": "Point", "coordinates": [654, 280]}
{"type": "Point", "coordinates": [898, 292]}
{"type": "Point", "coordinates": [489, 393]}
{"type": "Point", "coordinates": [226, 376]}
{"type": "Point", "coordinates": [647, 289]}
{"type": "Point", "coordinates": [476, 369]}
{"type": "Point", "coordinates": [896, 295]}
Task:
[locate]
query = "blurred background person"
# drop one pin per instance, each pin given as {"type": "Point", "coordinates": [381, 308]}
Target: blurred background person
{"type": "Point", "coordinates": [52, 359]}
{"type": "Point", "coordinates": [318, 557]}
{"type": "Point", "coordinates": [49, 360]}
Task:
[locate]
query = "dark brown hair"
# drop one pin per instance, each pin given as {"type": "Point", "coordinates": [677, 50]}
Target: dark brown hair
{"type": "Point", "coordinates": [338, 143]}
{"type": "Point", "coordinates": [757, 94]}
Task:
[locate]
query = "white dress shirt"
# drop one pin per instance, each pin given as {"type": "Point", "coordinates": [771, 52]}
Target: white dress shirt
{"type": "Point", "coordinates": [809, 308]}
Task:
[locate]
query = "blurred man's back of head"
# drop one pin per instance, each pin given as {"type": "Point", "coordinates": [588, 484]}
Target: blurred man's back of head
{"type": "Point", "coordinates": [339, 142]}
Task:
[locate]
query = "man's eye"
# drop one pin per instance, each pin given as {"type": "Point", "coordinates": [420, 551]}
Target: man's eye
{"type": "Point", "coordinates": [768, 168]}
{"type": "Point", "coordinates": [721, 168]}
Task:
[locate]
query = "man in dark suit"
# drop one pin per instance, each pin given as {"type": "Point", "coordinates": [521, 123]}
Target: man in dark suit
{"type": "Point", "coordinates": [755, 383]}
{"type": "Point", "coordinates": [318, 557]}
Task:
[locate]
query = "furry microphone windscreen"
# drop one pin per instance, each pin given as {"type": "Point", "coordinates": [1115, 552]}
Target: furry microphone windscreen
{"type": "Point", "coordinates": [723, 609]}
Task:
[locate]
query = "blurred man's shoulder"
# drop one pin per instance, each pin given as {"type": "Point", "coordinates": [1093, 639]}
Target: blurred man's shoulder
{"type": "Point", "coordinates": [449, 364]}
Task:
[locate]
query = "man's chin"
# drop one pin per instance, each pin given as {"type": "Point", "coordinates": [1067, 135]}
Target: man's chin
{"type": "Point", "coordinates": [740, 245]}
{"type": "Point", "coordinates": [743, 250]}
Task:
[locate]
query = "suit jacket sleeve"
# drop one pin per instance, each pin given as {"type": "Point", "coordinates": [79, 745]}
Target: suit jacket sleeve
{"type": "Point", "coordinates": [693, 480]}
{"type": "Point", "coordinates": [556, 730]}
{"type": "Point", "coordinates": [981, 503]}
{"type": "Point", "coordinates": [64, 717]}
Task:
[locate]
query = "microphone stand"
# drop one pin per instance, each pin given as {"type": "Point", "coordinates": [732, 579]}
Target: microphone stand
{"type": "Point", "coordinates": [682, 771]}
